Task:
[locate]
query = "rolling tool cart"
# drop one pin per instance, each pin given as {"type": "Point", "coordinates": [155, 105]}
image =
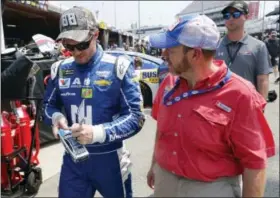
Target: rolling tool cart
{"type": "Point", "coordinates": [20, 144]}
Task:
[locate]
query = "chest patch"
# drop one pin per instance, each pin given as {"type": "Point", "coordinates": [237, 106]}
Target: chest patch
{"type": "Point", "coordinates": [86, 93]}
{"type": "Point", "coordinates": [64, 83]}
{"type": "Point", "coordinates": [223, 107]}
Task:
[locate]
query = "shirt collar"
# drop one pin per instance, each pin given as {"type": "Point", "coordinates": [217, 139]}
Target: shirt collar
{"type": "Point", "coordinates": [211, 80]}
{"type": "Point", "coordinates": [244, 40]}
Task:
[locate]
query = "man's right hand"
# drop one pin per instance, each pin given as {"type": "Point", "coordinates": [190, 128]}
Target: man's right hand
{"type": "Point", "coordinates": [60, 123]}
{"type": "Point", "coordinates": [151, 177]}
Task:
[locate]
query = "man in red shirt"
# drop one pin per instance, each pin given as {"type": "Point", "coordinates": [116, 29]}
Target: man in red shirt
{"type": "Point", "coordinates": [210, 125]}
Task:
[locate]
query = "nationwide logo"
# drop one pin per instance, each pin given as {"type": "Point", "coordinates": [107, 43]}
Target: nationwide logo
{"type": "Point", "coordinates": [103, 74]}
{"type": "Point", "coordinates": [68, 94]}
{"type": "Point", "coordinates": [64, 83]}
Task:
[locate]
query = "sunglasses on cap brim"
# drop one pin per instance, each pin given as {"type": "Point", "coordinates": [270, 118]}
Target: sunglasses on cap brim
{"type": "Point", "coordinates": [235, 15]}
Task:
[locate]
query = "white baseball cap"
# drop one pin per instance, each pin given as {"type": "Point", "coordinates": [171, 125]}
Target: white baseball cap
{"type": "Point", "coordinates": [195, 31]}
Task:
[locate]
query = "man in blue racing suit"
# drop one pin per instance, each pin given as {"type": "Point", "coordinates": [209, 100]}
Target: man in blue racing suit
{"type": "Point", "coordinates": [102, 90]}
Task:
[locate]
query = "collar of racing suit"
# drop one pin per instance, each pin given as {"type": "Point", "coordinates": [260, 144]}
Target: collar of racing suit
{"type": "Point", "coordinates": [93, 60]}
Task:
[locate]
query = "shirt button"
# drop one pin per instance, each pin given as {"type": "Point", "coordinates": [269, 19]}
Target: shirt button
{"type": "Point", "coordinates": [175, 134]}
{"type": "Point", "coordinates": [174, 153]}
{"type": "Point", "coordinates": [179, 115]}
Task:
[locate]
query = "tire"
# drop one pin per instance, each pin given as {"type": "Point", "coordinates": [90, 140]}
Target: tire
{"type": "Point", "coordinates": [34, 181]}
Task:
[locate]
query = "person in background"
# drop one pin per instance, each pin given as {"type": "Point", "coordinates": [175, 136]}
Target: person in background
{"type": "Point", "coordinates": [138, 63]}
{"type": "Point", "coordinates": [257, 37]}
{"type": "Point", "coordinates": [243, 54]}
{"type": "Point", "coordinates": [142, 48]}
{"type": "Point", "coordinates": [137, 48]}
{"type": "Point", "coordinates": [102, 105]}
{"type": "Point", "coordinates": [273, 46]}
{"type": "Point", "coordinates": [148, 47]}
{"type": "Point", "coordinates": [114, 46]}
{"type": "Point", "coordinates": [211, 129]}
{"type": "Point", "coordinates": [99, 43]}
{"type": "Point", "coordinates": [126, 47]}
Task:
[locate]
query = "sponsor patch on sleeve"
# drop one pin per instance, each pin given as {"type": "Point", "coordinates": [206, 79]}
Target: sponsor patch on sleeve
{"type": "Point", "coordinates": [54, 69]}
{"type": "Point", "coordinates": [122, 66]}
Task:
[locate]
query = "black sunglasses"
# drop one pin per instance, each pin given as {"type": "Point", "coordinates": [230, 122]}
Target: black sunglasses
{"type": "Point", "coordinates": [80, 46]}
{"type": "Point", "coordinates": [235, 15]}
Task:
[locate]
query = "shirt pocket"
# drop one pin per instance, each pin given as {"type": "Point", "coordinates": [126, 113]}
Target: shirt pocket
{"type": "Point", "coordinates": [210, 127]}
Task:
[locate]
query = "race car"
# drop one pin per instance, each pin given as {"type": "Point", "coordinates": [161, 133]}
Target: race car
{"type": "Point", "coordinates": [150, 70]}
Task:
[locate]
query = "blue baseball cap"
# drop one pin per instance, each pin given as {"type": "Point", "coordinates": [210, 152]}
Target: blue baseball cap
{"type": "Point", "coordinates": [195, 31]}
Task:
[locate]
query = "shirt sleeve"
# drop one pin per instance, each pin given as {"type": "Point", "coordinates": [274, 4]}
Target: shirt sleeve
{"type": "Point", "coordinates": [131, 118]}
{"type": "Point", "coordinates": [251, 136]}
{"type": "Point", "coordinates": [263, 60]}
{"type": "Point", "coordinates": [52, 102]}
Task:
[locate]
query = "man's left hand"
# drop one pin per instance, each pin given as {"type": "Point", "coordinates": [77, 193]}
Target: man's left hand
{"type": "Point", "coordinates": [83, 133]}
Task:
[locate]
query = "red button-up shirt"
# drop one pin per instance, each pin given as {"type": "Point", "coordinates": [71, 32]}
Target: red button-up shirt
{"type": "Point", "coordinates": [215, 134]}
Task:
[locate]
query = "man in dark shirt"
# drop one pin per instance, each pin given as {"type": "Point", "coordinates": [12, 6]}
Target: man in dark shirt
{"type": "Point", "coordinates": [272, 44]}
{"type": "Point", "coordinates": [244, 55]}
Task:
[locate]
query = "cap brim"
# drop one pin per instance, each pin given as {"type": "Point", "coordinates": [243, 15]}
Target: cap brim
{"type": "Point", "coordinates": [235, 7]}
{"type": "Point", "coordinates": [162, 40]}
{"type": "Point", "coordinates": [76, 35]}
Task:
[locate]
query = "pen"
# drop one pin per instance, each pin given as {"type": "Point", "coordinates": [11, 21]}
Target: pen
{"type": "Point", "coordinates": [82, 121]}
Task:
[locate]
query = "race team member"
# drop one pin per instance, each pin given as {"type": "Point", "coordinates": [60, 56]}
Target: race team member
{"type": "Point", "coordinates": [210, 125]}
{"type": "Point", "coordinates": [100, 89]}
{"type": "Point", "coordinates": [245, 55]}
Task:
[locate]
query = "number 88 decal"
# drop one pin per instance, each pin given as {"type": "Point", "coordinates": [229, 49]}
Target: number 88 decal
{"type": "Point", "coordinates": [69, 19]}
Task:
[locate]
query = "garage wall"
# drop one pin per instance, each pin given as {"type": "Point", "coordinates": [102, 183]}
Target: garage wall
{"type": "Point", "coordinates": [21, 24]}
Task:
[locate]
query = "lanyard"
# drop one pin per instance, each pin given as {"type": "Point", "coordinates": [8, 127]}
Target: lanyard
{"type": "Point", "coordinates": [232, 58]}
{"type": "Point", "coordinates": [168, 102]}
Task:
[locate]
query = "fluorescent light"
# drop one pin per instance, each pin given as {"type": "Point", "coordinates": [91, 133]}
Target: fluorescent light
{"type": "Point", "coordinates": [10, 25]}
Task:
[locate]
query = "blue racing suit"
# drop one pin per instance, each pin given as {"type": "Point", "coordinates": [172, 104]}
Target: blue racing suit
{"type": "Point", "coordinates": [104, 92]}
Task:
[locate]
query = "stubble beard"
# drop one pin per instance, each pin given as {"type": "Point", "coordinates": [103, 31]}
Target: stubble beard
{"type": "Point", "coordinates": [182, 67]}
